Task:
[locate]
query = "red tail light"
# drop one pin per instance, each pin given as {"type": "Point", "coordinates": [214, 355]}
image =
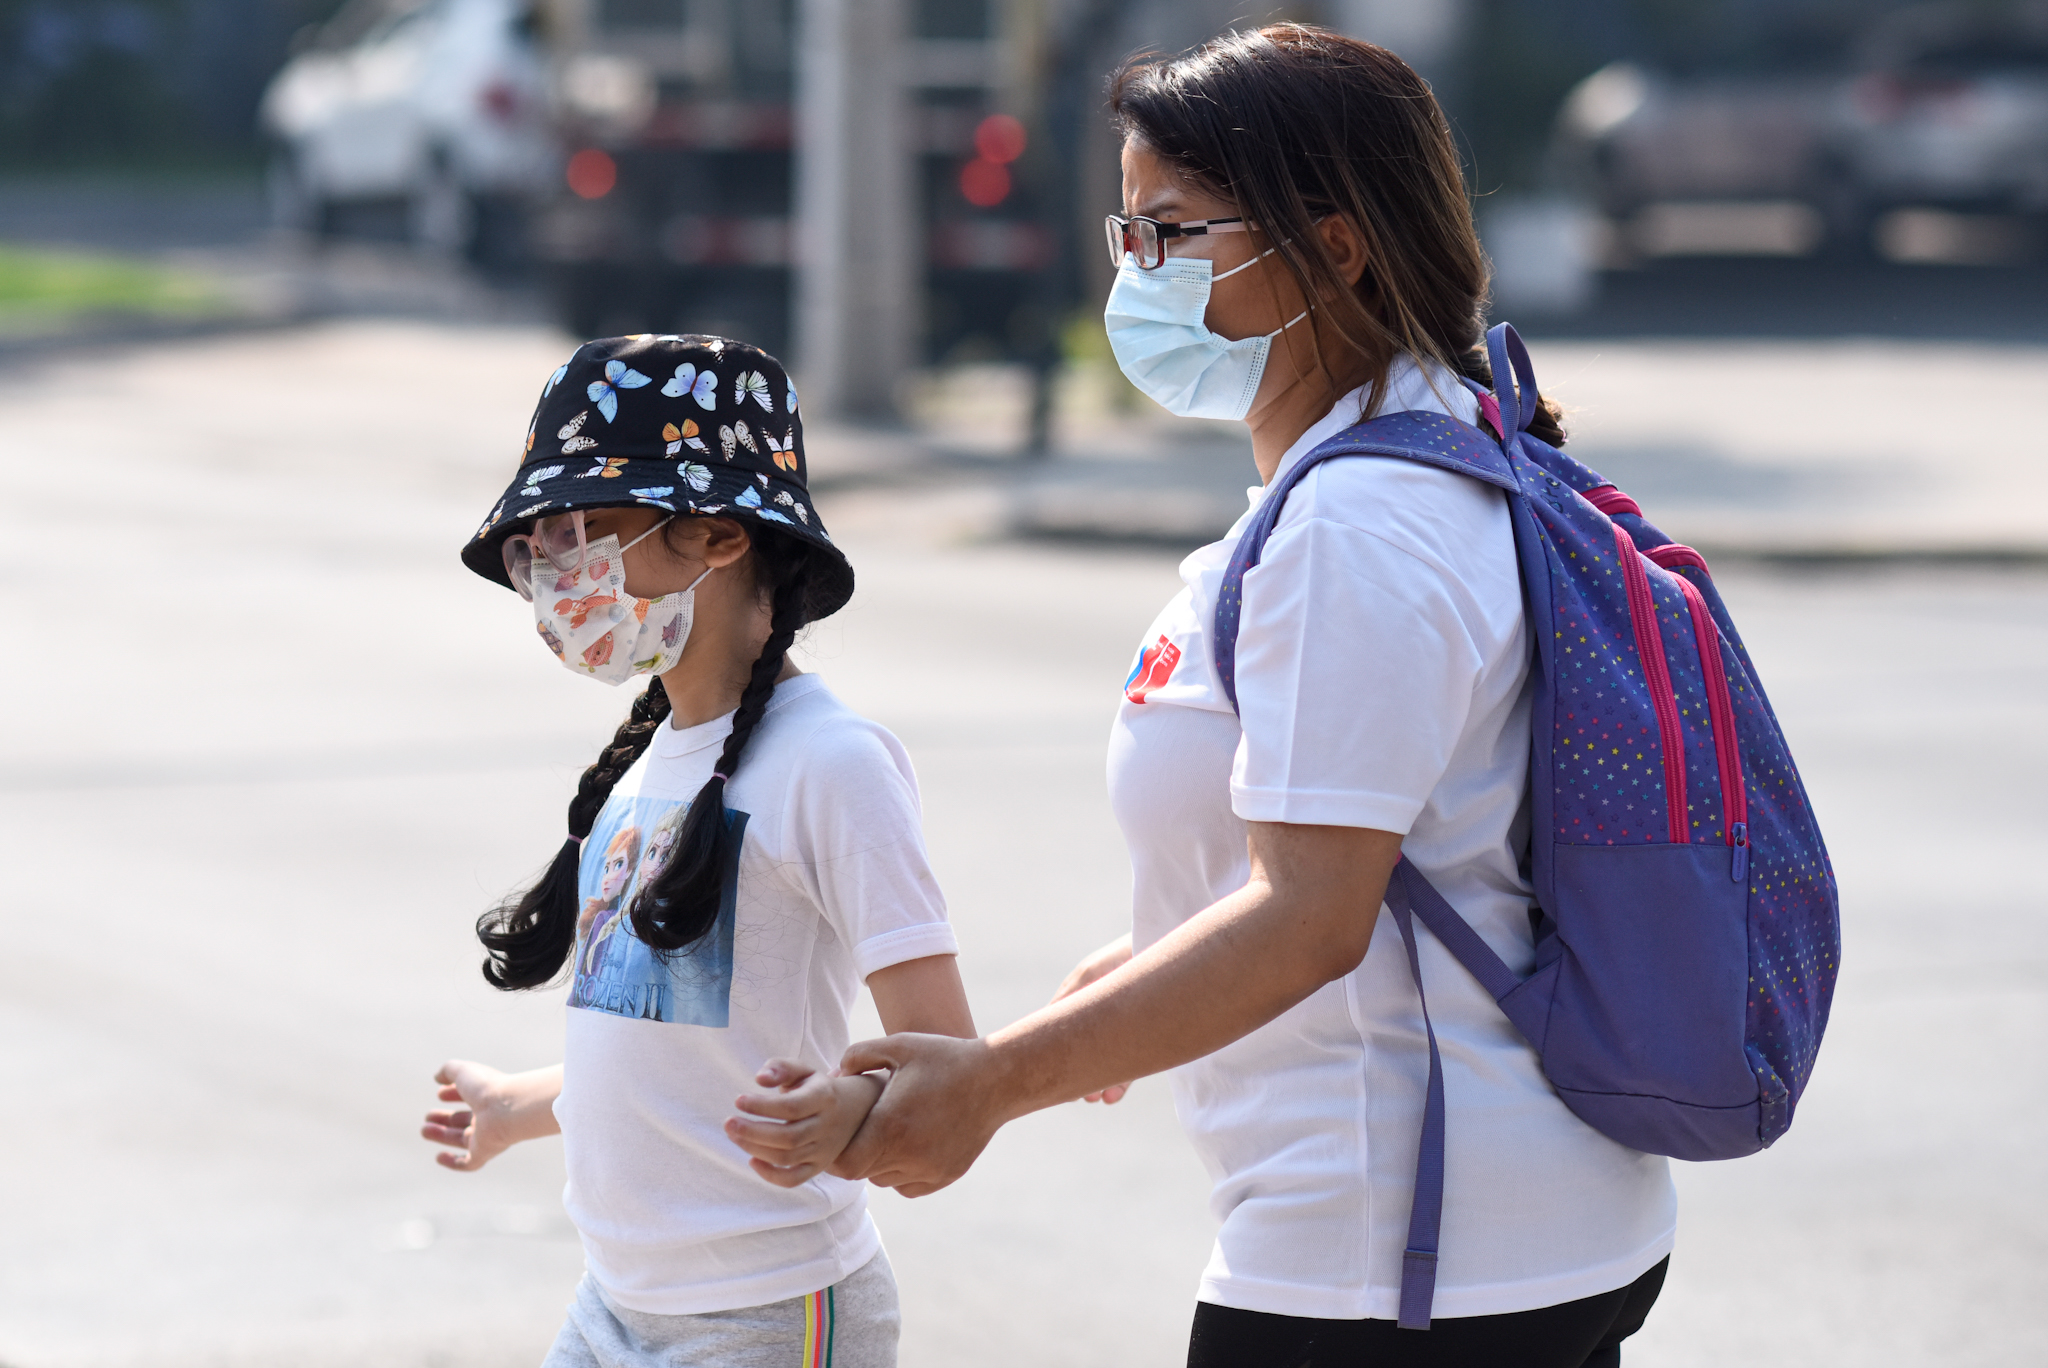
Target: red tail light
{"type": "Point", "coordinates": [592, 174]}
{"type": "Point", "coordinates": [984, 183]}
{"type": "Point", "coordinates": [500, 99]}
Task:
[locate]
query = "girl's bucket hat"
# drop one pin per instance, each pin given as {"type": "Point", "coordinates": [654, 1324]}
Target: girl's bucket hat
{"type": "Point", "coordinates": [685, 424]}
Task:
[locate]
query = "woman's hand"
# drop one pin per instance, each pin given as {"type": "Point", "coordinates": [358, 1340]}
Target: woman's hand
{"type": "Point", "coordinates": [810, 1119]}
{"type": "Point", "coordinates": [1303, 919]}
{"type": "Point", "coordinates": [1102, 963]}
{"type": "Point", "coordinates": [940, 1110]}
{"type": "Point", "coordinates": [500, 1110]}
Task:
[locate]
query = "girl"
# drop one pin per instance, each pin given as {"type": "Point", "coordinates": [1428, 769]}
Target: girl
{"type": "Point", "coordinates": [1296, 250]}
{"type": "Point", "coordinates": [660, 524]}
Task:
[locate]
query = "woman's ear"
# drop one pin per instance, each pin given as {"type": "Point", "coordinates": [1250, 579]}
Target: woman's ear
{"type": "Point", "coordinates": [1345, 246]}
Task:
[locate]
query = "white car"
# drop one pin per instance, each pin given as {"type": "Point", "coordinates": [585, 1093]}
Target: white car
{"type": "Point", "coordinates": [1952, 111]}
{"type": "Point", "coordinates": [440, 106]}
{"type": "Point", "coordinates": [1942, 107]}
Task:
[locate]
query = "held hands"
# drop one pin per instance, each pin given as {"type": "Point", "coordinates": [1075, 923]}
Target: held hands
{"type": "Point", "coordinates": [942, 1106]}
{"type": "Point", "coordinates": [809, 1120]}
{"type": "Point", "coordinates": [1101, 964]}
{"type": "Point", "coordinates": [916, 1135]}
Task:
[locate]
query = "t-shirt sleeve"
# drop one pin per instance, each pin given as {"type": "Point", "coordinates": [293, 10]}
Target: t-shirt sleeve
{"type": "Point", "coordinates": [858, 838]}
{"type": "Point", "coordinates": [1356, 667]}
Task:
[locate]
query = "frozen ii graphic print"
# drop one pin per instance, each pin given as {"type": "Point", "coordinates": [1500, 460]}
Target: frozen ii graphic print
{"type": "Point", "coordinates": [615, 971]}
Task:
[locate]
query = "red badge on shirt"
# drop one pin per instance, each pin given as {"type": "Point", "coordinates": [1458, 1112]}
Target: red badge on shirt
{"type": "Point", "coordinates": [1154, 668]}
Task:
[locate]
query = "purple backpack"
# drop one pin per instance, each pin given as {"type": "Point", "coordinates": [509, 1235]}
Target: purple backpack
{"type": "Point", "coordinates": [1688, 934]}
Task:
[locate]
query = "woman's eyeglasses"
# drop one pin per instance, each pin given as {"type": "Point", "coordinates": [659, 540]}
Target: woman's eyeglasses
{"type": "Point", "coordinates": [1145, 239]}
{"type": "Point", "coordinates": [558, 540]}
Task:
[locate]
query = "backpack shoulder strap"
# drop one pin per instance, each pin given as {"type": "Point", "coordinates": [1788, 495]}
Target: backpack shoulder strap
{"type": "Point", "coordinates": [1432, 439]}
{"type": "Point", "coordinates": [1437, 440]}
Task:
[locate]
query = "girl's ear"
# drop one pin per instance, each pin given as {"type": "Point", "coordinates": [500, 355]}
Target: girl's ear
{"type": "Point", "coordinates": [726, 541]}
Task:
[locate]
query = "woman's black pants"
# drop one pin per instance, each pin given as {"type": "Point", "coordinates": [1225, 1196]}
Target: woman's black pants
{"type": "Point", "coordinates": [1579, 1334]}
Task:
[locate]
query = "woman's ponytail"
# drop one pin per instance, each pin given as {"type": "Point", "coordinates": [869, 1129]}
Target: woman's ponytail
{"type": "Point", "coordinates": [683, 902]}
{"type": "Point", "coordinates": [1548, 424]}
{"type": "Point", "coordinates": [527, 938]}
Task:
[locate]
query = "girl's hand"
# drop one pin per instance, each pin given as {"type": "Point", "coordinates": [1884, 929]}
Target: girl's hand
{"type": "Point", "coordinates": [810, 1120]}
{"type": "Point", "coordinates": [943, 1104]}
{"type": "Point", "coordinates": [501, 1110]}
{"type": "Point", "coordinates": [1102, 963]}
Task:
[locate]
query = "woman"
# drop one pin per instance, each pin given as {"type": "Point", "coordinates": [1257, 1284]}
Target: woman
{"type": "Point", "coordinates": [1312, 261]}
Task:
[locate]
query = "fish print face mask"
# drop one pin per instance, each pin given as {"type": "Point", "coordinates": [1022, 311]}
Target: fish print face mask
{"type": "Point", "coordinates": [596, 628]}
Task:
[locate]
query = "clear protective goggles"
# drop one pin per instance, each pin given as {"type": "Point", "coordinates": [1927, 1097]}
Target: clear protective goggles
{"type": "Point", "coordinates": [562, 542]}
{"type": "Point", "coordinates": [559, 540]}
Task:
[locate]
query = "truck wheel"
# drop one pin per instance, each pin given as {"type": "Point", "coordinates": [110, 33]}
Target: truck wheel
{"type": "Point", "coordinates": [1847, 215]}
{"type": "Point", "coordinates": [442, 215]}
{"type": "Point", "coordinates": [294, 203]}
{"type": "Point", "coordinates": [498, 245]}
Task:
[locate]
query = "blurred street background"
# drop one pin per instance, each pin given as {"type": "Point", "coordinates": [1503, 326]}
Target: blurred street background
{"type": "Point", "coordinates": [279, 279]}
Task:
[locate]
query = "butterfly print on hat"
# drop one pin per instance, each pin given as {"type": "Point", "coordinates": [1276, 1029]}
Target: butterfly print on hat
{"type": "Point", "coordinates": [617, 376]}
{"type": "Point", "coordinates": [680, 437]}
{"type": "Point", "coordinates": [607, 466]}
{"type": "Point", "coordinates": [781, 449]}
{"type": "Point", "coordinates": [572, 436]}
{"type": "Point", "coordinates": [788, 501]}
{"type": "Point", "coordinates": [737, 434]}
{"type": "Point", "coordinates": [752, 385]}
{"type": "Point", "coordinates": [695, 476]}
{"type": "Point", "coordinates": [750, 499]}
{"type": "Point", "coordinates": [699, 385]}
{"type": "Point", "coordinates": [534, 478]}
{"type": "Point", "coordinates": [492, 521]}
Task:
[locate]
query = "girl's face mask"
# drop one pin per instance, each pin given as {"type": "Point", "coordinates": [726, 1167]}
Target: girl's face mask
{"type": "Point", "coordinates": [1154, 321]}
{"type": "Point", "coordinates": [596, 628]}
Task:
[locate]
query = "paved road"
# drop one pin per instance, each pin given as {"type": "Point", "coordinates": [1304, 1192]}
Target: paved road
{"type": "Point", "coordinates": [269, 749]}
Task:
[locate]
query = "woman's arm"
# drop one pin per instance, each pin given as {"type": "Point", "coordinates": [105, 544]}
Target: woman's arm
{"type": "Point", "coordinates": [1304, 919]}
{"type": "Point", "coordinates": [809, 1119]}
{"type": "Point", "coordinates": [500, 1110]}
{"type": "Point", "coordinates": [1105, 961]}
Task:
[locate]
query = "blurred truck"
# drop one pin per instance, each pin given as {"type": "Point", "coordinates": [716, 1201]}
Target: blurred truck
{"type": "Point", "coordinates": [1937, 107]}
{"type": "Point", "coordinates": [434, 109]}
{"type": "Point", "coordinates": [673, 208]}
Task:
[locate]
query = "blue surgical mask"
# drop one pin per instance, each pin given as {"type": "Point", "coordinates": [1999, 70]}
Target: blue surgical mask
{"type": "Point", "coordinates": [1154, 321]}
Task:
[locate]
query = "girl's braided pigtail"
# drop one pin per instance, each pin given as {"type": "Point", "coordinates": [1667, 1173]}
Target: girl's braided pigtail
{"type": "Point", "coordinates": [683, 902]}
{"type": "Point", "coordinates": [527, 938]}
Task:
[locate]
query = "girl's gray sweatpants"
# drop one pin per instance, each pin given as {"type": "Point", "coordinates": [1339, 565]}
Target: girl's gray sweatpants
{"type": "Point", "coordinates": [852, 1324]}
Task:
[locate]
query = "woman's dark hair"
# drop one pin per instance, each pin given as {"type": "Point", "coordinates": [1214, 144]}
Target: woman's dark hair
{"type": "Point", "coordinates": [528, 937]}
{"type": "Point", "coordinates": [1292, 123]}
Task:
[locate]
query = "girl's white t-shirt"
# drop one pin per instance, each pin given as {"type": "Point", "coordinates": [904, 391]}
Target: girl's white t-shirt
{"type": "Point", "coordinates": [832, 883]}
{"type": "Point", "coordinates": [1383, 675]}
